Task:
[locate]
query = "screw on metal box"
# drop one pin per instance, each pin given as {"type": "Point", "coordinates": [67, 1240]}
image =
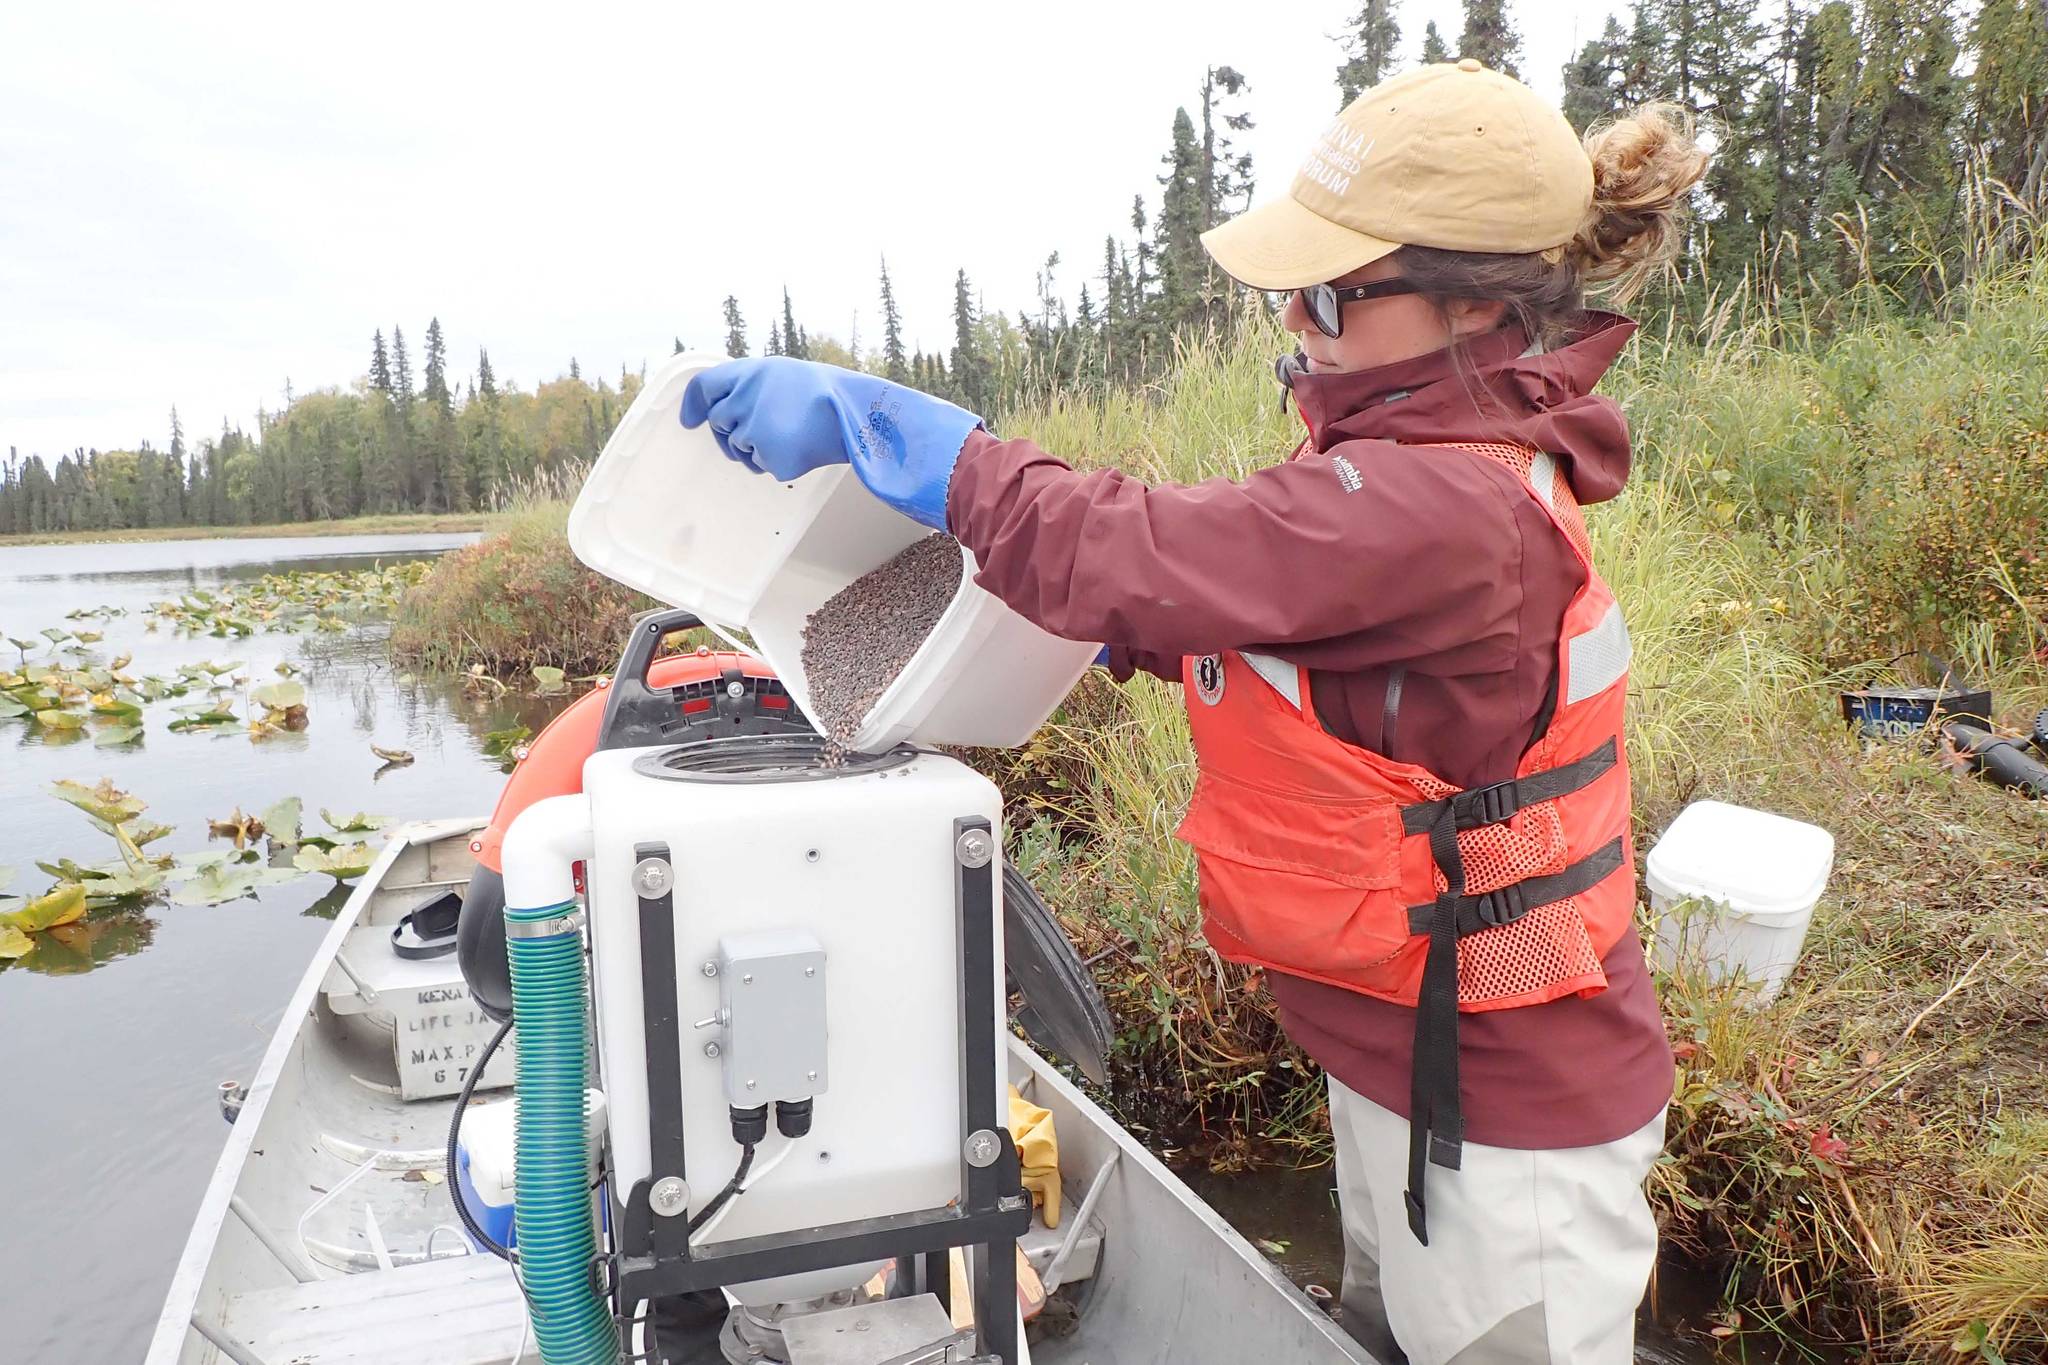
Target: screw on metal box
{"type": "Point", "coordinates": [810, 855]}
{"type": "Point", "coordinates": [712, 1049]}
{"type": "Point", "coordinates": [709, 969]}
{"type": "Point", "coordinates": [982, 1148]}
{"type": "Point", "coordinates": [974, 848]}
{"type": "Point", "coordinates": [653, 877]}
{"type": "Point", "coordinates": [747, 980]}
{"type": "Point", "coordinates": [670, 1196]}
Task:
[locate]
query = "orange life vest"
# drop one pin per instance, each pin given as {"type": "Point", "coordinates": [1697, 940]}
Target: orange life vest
{"type": "Point", "coordinates": [1329, 861]}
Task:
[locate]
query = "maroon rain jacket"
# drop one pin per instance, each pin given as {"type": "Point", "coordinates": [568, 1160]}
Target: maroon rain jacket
{"type": "Point", "coordinates": [1425, 589]}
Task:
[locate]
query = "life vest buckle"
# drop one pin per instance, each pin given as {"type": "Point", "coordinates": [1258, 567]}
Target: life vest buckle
{"type": "Point", "coordinates": [1491, 805]}
{"type": "Point", "coordinates": [1502, 906]}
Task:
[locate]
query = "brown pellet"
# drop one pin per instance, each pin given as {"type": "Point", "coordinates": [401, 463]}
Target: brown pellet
{"type": "Point", "coordinates": [856, 644]}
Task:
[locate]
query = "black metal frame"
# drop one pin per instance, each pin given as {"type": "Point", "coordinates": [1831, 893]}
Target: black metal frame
{"type": "Point", "coordinates": [652, 1257]}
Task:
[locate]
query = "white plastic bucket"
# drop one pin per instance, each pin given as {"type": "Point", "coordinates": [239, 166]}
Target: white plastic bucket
{"type": "Point", "coordinates": [1754, 879]}
{"type": "Point", "coordinates": [665, 512]}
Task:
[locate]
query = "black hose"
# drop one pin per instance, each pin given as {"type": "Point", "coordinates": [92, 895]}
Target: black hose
{"type": "Point", "coordinates": [2003, 761]}
{"type": "Point", "coordinates": [469, 1223]}
{"type": "Point", "coordinates": [732, 1187]}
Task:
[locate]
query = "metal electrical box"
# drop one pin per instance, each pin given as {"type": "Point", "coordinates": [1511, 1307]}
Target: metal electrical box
{"type": "Point", "coordinates": [772, 999]}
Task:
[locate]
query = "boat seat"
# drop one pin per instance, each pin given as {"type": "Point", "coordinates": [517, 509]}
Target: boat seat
{"type": "Point", "coordinates": [367, 950]}
{"type": "Point", "coordinates": [460, 1310]}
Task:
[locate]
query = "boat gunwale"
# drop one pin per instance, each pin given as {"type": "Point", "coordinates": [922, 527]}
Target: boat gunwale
{"type": "Point", "coordinates": [188, 1281]}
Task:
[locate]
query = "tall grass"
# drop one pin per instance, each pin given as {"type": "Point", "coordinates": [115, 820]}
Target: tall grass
{"type": "Point", "coordinates": [1831, 1151]}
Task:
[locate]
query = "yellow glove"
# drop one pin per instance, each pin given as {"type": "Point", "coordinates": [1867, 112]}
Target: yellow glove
{"type": "Point", "coordinates": [1038, 1152]}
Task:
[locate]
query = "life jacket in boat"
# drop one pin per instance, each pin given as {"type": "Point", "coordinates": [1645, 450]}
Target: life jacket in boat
{"type": "Point", "coordinates": [1326, 860]}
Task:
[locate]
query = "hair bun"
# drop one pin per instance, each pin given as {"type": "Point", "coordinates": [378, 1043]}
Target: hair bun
{"type": "Point", "coordinates": [1645, 165]}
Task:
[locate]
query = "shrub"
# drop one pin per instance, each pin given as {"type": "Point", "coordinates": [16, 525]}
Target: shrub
{"type": "Point", "coordinates": [514, 600]}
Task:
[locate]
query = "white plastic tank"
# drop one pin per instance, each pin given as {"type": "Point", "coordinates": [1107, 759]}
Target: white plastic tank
{"type": "Point", "coordinates": [859, 864]}
{"type": "Point", "coordinates": [1756, 877]}
{"type": "Point", "coordinates": [665, 512]}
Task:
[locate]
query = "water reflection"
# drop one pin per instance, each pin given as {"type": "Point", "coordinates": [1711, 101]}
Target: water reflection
{"type": "Point", "coordinates": [155, 1003]}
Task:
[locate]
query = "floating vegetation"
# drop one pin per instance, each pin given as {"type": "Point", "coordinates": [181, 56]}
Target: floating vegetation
{"type": "Point", "coordinates": [211, 878]}
{"type": "Point", "coordinates": [340, 862]}
{"type": "Point", "coordinates": [358, 823]}
{"type": "Point", "coordinates": [239, 827]}
{"type": "Point", "coordinates": [297, 601]}
{"type": "Point", "coordinates": [508, 746]}
{"type": "Point", "coordinates": [551, 682]}
{"type": "Point", "coordinates": [281, 824]}
{"type": "Point", "coordinates": [393, 758]}
{"type": "Point", "coordinates": [60, 905]}
{"type": "Point", "coordinates": [284, 708]}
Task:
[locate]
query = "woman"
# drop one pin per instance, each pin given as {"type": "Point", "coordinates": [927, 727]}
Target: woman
{"type": "Point", "coordinates": [1404, 679]}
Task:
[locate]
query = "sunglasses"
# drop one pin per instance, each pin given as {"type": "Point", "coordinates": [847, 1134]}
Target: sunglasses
{"type": "Point", "coordinates": [1325, 302]}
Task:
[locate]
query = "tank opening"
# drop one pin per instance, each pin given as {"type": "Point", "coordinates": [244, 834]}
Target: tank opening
{"type": "Point", "coordinates": [766, 758]}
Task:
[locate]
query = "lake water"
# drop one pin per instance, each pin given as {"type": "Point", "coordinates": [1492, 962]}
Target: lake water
{"type": "Point", "coordinates": [109, 1070]}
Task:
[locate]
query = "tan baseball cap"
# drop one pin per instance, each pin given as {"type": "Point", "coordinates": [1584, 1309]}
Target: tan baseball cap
{"type": "Point", "coordinates": [1451, 155]}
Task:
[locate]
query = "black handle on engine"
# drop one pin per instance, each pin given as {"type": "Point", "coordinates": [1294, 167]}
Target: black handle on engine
{"type": "Point", "coordinates": [634, 713]}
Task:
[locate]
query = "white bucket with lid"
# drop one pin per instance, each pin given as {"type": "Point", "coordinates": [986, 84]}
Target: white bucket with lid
{"type": "Point", "coordinates": [1756, 877]}
{"type": "Point", "coordinates": [666, 512]}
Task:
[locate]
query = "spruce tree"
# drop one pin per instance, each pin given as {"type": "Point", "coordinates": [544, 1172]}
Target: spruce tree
{"type": "Point", "coordinates": [2008, 95]}
{"type": "Point", "coordinates": [1643, 59]}
{"type": "Point", "coordinates": [380, 364]}
{"type": "Point", "coordinates": [1226, 175]}
{"type": "Point", "coordinates": [1181, 215]}
{"type": "Point", "coordinates": [575, 370]}
{"type": "Point", "coordinates": [774, 346]}
{"type": "Point", "coordinates": [735, 330]}
{"type": "Point", "coordinates": [893, 367]}
{"type": "Point", "coordinates": [401, 370]}
{"type": "Point", "coordinates": [1370, 42]}
{"type": "Point", "coordinates": [792, 335]}
{"type": "Point", "coordinates": [486, 381]}
{"type": "Point", "coordinates": [970, 367]}
{"type": "Point", "coordinates": [1490, 36]}
{"type": "Point", "coordinates": [437, 369]}
{"type": "Point", "coordinates": [1592, 79]}
{"type": "Point", "coordinates": [1433, 49]}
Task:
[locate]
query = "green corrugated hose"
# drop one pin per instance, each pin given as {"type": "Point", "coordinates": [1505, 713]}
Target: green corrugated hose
{"type": "Point", "coordinates": [557, 1241]}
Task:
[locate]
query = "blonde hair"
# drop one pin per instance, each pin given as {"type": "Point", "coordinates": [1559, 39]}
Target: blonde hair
{"type": "Point", "coordinates": [1645, 165]}
{"type": "Point", "coordinates": [1644, 168]}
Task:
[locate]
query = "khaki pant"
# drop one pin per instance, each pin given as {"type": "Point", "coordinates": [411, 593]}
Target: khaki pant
{"type": "Point", "coordinates": [1532, 1256]}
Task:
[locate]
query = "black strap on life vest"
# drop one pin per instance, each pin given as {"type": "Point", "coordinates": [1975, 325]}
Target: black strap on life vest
{"type": "Point", "coordinates": [1436, 1116]}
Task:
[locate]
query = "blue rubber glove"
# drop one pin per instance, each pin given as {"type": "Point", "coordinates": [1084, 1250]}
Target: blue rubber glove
{"type": "Point", "coordinates": [786, 417]}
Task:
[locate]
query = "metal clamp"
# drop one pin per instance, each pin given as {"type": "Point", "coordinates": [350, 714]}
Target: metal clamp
{"type": "Point", "coordinates": [571, 923]}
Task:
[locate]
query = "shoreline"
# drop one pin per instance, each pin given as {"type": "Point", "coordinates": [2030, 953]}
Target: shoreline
{"type": "Point", "coordinates": [387, 524]}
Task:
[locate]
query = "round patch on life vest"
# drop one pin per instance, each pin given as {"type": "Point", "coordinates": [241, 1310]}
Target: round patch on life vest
{"type": "Point", "coordinates": [1209, 678]}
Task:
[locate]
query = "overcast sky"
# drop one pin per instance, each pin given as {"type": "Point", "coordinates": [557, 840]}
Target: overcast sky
{"type": "Point", "coordinates": [201, 202]}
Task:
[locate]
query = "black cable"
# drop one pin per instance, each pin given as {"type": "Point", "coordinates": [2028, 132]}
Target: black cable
{"type": "Point", "coordinates": [469, 1222]}
{"type": "Point", "coordinates": [732, 1187]}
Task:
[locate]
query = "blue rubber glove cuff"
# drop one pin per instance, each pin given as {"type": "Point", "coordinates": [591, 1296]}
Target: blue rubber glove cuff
{"type": "Point", "coordinates": [904, 449]}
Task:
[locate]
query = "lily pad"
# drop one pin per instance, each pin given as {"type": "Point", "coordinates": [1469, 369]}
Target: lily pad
{"type": "Point", "coordinates": [55, 719]}
{"type": "Point", "coordinates": [394, 757]}
{"type": "Point", "coordinates": [239, 827]}
{"type": "Point", "coordinates": [341, 861]}
{"type": "Point", "coordinates": [359, 823]}
{"type": "Point", "coordinates": [60, 905]}
{"type": "Point", "coordinates": [14, 943]}
{"type": "Point", "coordinates": [281, 823]}
{"type": "Point", "coordinates": [90, 637]}
{"type": "Point", "coordinates": [115, 735]}
{"type": "Point", "coordinates": [550, 681]}
{"type": "Point", "coordinates": [53, 634]}
{"type": "Point", "coordinates": [10, 708]}
{"type": "Point", "coordinates": [105, 802]}
{"type": "Point", "coordinates": [202, 717]}
{"type": "Point", "coordinates": [126, 884]}
{"type": "Point", "coordinates": [280, 696]}
{"type": "Point", "coordinates": [215, 882]}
